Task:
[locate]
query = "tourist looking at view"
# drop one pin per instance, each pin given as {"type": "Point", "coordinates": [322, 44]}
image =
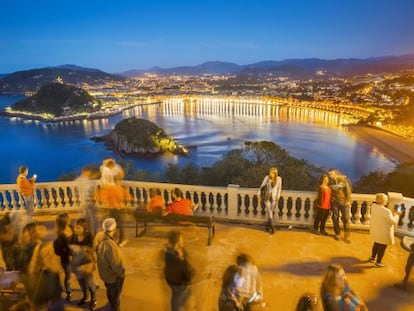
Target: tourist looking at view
{"type": "Point", "coordinates": [26, 188]}
{"type": "Point", "coordinates": [383, 220]}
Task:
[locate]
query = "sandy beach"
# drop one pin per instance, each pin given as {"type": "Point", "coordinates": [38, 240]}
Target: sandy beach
{"type": "Point", "coordinates": [393, 146]}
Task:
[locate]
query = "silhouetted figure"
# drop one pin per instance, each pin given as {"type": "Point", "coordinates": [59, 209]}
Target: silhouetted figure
{"type": "Point", "coordinates": [178, 271]}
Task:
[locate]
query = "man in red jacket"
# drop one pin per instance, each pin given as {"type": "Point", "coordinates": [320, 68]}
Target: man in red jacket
{"type": "Point", "coordinates": [180, 205]}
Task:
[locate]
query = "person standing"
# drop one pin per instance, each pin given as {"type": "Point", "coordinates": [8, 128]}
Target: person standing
{"type": "Point", "coordinates": [86, 189]}
{"type": "Point", "coordinates": [272, 185]}
{"type": "Point", "coordinates": [178, 271]}
{"type": "Point", "coordinates": [26, 189]}
{"type": "Point", "coordinates": [110, 263]}
{"type": "Point", "coordinates": [112, 195]}
{"type": "Point", "coordinates": [84, 271]}
{"type": "Point", "coordinates": [62, 249]}
{"type": "Point", "coordinates": [340, 202]}
{"type": "Point", "coordinates": [323, 204]}
{"type": "Point", "coordinates": [383, 221]}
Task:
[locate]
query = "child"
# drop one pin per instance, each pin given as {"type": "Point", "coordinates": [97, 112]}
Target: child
{"type": "Point", "coordinates": [84, 272]}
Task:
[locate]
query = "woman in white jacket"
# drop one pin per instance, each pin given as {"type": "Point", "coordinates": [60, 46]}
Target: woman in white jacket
{"type": "Point", "coordinates": [273, 184]}
{"type": "Point", "coordinates": [383, 221]}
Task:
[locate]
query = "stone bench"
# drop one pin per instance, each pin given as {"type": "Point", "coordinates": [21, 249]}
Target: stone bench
{"type": "Point", "coordinates": [175, 219]}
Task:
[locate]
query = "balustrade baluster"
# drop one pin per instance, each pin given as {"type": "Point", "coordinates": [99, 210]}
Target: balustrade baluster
{"type": "Point", "coordinates": [45, 197]}
{"type": "Point", "coordinates": [358, 213]}
{"type": "Point", "coordinates": [13, 203]}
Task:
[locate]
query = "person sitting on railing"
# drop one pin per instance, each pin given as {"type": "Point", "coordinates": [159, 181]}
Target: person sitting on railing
{"type": "Point", "coordinates": [180, 205]}
{"type": "Point", "coordinates": [156, 202]}
{"type": "Point", "coordinates": [269, 193]}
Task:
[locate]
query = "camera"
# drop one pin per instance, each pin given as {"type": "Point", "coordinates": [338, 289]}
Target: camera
{"type": "Point", "coordinates": [398, 208]}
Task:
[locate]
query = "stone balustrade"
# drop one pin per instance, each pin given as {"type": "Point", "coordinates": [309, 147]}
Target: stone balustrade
{"type": "Point", "coordinates": [233, 203]}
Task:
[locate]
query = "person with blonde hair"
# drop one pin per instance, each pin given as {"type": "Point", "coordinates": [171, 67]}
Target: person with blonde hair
{"type": "Point", "coordinates": [336, 293]}
{"type": "Point", "coordinates": [269, 193]}
{"type": "Point", "coordinates": [383, 221]}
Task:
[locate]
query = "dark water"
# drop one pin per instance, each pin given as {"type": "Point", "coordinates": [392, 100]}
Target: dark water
{"type": "Point", "coordinates": [51, 150]}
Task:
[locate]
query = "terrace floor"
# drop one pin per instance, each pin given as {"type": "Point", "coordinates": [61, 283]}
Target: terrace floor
{"type": "Point", "coordinates": [291, 263]}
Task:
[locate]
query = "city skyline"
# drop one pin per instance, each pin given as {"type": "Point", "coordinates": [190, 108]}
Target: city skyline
{"type": "Point", "coordinates": [139, 35]}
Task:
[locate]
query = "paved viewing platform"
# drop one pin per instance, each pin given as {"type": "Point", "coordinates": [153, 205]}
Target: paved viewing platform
{"type": "Point", "coordinates": [291, 263]}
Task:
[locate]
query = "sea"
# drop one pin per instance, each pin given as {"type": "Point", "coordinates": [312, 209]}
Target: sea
{"type": "Point", "coordinates": [211, 128]}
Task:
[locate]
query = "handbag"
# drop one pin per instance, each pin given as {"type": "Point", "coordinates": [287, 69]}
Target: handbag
{"type": "Point", "coordinates": [265, 194]}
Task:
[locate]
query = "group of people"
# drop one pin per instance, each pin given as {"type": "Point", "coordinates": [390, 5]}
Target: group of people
{"type": "Point", "coordinates": [82, 249]}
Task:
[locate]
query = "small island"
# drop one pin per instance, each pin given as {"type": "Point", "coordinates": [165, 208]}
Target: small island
{"type": "Point", "coordinates": [140, 137]}
{"type": "Point", "coordinates": [54, 102]}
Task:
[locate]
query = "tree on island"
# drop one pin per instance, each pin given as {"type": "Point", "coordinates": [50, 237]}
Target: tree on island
{"type": "Point", "coordinates": [138, 137]}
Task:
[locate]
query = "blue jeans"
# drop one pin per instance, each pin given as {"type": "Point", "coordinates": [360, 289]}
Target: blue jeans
{"type": "Point", "coordinates": [179, 297]}
{"type": "Point", "coordinates": [113, 293]}
{"type": "Point", "coordinates": [338, 208]}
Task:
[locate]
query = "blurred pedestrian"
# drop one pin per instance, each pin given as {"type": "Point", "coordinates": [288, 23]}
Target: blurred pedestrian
{"type": "Point", "coordinates": [26, 189]}
{"type": "Point", "coordinates": [112, 195]}
{"type": "Point", "coordinates": [340, 202]}
{"type": "Point", "coordinates": [110, 263]}
{"type": "Point", "coordinates": [269, 193]}
{"type": "Point", "coordinates": [61, 247]}
{"type": "Point", "coordinates": [230, 298]}
{"type": "Point", "coordinates": [252, 289]}
{"type": "Point", "coordinates": [84, 270]}
{"type": "Point", "coordinates": [323, 204]}
{"type": "Point", "coordinates": [336, 293]}
{"type": "Point", "coordinates": [382, 223]}
{"type": "Point", "coordinates": [86, 185]}
{"type": "Point", "coordinates": [178, 271]}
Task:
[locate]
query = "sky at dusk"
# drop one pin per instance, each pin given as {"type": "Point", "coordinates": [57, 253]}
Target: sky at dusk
{"type": "Point", "coordinates": [116, 36]}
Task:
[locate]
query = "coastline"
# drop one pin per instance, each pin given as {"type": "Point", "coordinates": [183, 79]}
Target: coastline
{"type": "Point", "coordinates": [90, 116]}
{"type": "Point", "coordinates": [392, 145]}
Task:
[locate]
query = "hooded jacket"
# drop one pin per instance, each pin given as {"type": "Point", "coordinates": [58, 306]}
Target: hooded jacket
{"type": "Point", "coordinates": [109, 258]}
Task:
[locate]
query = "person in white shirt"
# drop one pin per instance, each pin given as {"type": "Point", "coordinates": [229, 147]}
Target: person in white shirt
{"type": "Point", "coordinates": [383, 221]}
{"type": "Point", "coordinates": [272, 186]}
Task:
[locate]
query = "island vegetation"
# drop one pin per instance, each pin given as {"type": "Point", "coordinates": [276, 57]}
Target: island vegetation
{"type": "Point", "coordinates": [140, 137]}
{"type": "Point", "coordinates": [57, 100]}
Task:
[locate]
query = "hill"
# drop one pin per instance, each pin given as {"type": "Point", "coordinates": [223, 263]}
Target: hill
{"type": "Point", "coordinates": [298, 68]}
{"type": "Point", "coordinates": [32, 80]}
{"type": "Point", "coordinates": [140, 137]}
{"type": "Point", "coordinates": [58, 100]}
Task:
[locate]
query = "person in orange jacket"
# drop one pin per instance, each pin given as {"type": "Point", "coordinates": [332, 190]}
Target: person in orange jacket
{"type": "Point", "coordinates": [26, 188]}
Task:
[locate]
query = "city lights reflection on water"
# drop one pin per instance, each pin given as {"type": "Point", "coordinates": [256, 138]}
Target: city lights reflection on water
{"type": "Point", "coordinates": [214, 125]}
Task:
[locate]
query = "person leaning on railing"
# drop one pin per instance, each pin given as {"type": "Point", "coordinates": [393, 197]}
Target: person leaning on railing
{"type": "Point", "coordinates": [269, 193]}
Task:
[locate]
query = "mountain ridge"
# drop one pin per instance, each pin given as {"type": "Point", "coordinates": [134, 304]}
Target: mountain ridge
{"type": "Point", "coordinates": [338, 66]}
